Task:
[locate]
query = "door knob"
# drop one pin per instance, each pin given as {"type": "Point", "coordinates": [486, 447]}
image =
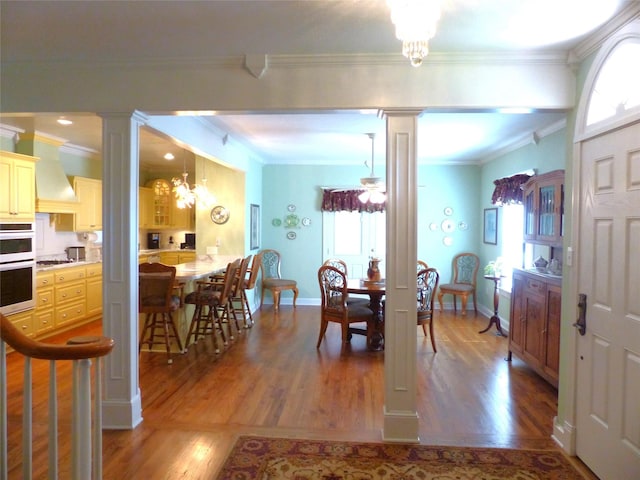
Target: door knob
{"type": "Point", "coordinates": [581, 323]}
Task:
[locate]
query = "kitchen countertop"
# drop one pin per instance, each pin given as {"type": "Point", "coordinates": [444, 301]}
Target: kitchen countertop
{"type": "Point", "coordinates": [150, 251]}
{"type": "Point", "coordinates": [46, 268]}
{"type": "Point", "coordinates": [199, 269]}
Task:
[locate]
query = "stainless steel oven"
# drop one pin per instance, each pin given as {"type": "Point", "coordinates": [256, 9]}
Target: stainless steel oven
{"type": "Point", "coordinates": [17, 267]}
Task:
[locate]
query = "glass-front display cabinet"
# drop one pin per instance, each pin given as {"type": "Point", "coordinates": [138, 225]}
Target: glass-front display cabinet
{"type": "Point", "coordinates": [544, 208]}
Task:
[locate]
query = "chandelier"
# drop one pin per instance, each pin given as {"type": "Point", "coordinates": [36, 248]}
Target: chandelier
{"type": "Point", "coordinates": [373, 186]}
{"type": "Point", "coordinates": [415, 22]}
{"type": "Point", "coordinates": [186, 196]}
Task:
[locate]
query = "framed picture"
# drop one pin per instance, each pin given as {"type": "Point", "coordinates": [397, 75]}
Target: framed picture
{"type": "Point", "coordinates": [491, 226]}
{"type": "Point", "coordinates": [255, 227]}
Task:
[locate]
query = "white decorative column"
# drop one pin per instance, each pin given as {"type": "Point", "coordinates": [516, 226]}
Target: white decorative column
{"type": "Point", "coordinates": [121, 407]}
{"type": "Point", "coordinates": [400, 414]}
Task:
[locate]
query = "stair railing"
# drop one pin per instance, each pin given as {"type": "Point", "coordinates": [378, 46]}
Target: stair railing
{"type": "Point", "coordinates": [86, 445]}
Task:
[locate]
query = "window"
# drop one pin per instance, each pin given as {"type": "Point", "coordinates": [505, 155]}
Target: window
{"type": "Point", "coordinates": [512, 241]}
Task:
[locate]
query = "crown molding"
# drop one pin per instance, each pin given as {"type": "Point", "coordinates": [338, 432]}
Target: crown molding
{"type": "Point", "coordinates": [524, 140]}
{"type": "Point", "coordinates": [592, 43]}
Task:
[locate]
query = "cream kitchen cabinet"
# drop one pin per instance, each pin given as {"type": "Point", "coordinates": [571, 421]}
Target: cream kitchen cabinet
{"type": "Point", "coordinates": [159, 209]}
{"type": "Point", "coordinates": [17, 187]}
{"type": "Point", "coordinates": [94, 289]}
{"type": "Point", "coordinates": [88, 216]}
{"type": "Point", "coordinates": [145, 207]}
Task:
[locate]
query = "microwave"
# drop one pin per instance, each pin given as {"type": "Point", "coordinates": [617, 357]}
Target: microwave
{"type": "Point", "coordinates": [17, 267]}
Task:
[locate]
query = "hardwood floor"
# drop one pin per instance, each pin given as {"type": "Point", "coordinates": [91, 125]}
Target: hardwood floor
{"type": "Point", "coordinates": [273, 381]}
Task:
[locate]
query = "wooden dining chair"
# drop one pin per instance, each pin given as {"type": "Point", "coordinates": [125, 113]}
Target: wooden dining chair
{"type": "Point", "coordinates": [465, 271]}
{"type": "Point", "coordinates": [236, 299]}
{"type": "Point", "coordinates": [421, 265]}
{"type": "Point", "coordinates": [250, 284]}
{"type": "Point", "coordinates": [156, 300]}
{"type": "Point", "coordinates": [272, 280]}
{"type": "Point", "coordinates": [428, 279]}
{"type": "Point", "coordinates": [334, 307]}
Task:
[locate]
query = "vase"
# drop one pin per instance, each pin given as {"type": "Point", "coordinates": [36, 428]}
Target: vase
{"type": "Point", "coordinates": [373, 272]}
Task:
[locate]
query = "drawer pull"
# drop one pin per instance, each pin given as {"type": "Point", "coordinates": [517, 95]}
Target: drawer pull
{"type": "Point", "coordinates": [24, 327]}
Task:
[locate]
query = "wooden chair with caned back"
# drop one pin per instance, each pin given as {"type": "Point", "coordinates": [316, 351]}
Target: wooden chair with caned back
{"type": "Point", "coordinates": [156, 300]}
{"type": "Point", "coordinates": [272, 280]}
{"type": "Point", "coordinates": [465, 271]}
{"type": "Point", "coordinates": [334, 307]}
{"type": "Point", "coordinates": [428, 279]}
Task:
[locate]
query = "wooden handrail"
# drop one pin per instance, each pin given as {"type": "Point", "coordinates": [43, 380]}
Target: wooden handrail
{"type": "Point", "coordinates": [76, 349]}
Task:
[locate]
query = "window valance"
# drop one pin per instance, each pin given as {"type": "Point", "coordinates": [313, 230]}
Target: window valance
{"type": "Point", "coordinates": [509, 190]}
{"type": "Point", "coordinates": [337, 200]}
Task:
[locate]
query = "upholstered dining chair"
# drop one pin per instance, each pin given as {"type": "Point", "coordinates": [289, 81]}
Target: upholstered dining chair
{"type": "Point", "coordinates": [465, 271]}
{"type": "Point", "coordinates": [428, 279]}
{"type": "Point", "coordinates": [421, 265]}
{"type": "Point", "coordinates": [271, 279]}
{"type": "Point", "coordinates": [334, 295]}
{"type": "Point", "coordinates": [342, 266]}
{"type": "Point", "coordinates": [156, 300]}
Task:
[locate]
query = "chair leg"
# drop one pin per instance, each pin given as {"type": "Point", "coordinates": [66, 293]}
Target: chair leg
{"type": "Point", "coordinates": [433, 339]}
{"type": "Point", "coordinates": [323, 329]}
{"type": "Point", "coordinates": [295, 297]}
{"type": "Point", "coordinates": [172, 324]}
{"type": "Point", "coordinates": [455, 304]}
{"type": "Point", "coordinates": [440, 295]}
{"type": "Point", "coordinates": [276, 299]}
{"type": "Point", "coordinates": [424, 329]}
{"type": "Point", "coordinates": [475, 305]}
{"type": "Point", "coordinates": [246, 306]}
{"type": "Point", "coordinates": [464, 304]}
{"type": "Point", "coordinates": [261, 297]}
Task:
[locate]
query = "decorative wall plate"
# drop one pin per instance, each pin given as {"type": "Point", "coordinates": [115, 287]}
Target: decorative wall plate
{"type": "Point", "coordinates": [276, 222]}
{"type": "Point", "coordinates": [219, 214]}
{"type": "Point", "coordinates": [448, 211]}
{"type": "Point", "coordinates": [448, 241]}
{"type": "Point", "coordinates": [291, 221]}
{"type": "Point", "coordinates": [291, 235]}
{"type": "Point", "coordinates": [462, 226]}
{"type": "Point", "coordinates": [291, 207]}
{"type": "Point", "coordinates": [434, 226]}
{"type": "Point", "coordinates": [448, 226]}
{"type": "Point", "coordinates": [306, 221]}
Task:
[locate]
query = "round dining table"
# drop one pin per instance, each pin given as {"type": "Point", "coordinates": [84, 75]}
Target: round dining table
{"type": "Point", "coordinates": [375, 291]}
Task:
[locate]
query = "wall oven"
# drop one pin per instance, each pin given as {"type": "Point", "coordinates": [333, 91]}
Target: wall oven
{"type": "Point", "coordinates": [17, 267]}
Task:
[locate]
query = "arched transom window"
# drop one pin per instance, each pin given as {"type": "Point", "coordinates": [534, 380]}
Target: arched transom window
{"type": "Point", "coordinates": [617, 87]}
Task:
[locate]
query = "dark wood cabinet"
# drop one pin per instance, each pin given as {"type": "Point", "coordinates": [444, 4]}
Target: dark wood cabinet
{"type": "Point", "coordinates": [543, 199]}
{"type": "Point", "coordinates": [534, 326]}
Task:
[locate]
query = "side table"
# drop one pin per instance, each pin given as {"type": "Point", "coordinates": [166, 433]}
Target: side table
{"type": "Point", "coordinates": [495, 319]}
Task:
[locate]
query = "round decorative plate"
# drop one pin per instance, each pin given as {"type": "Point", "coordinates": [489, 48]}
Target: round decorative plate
{"type": "Point", "coordinates": [434, 226]}
{"type": "Point", "coordinates": [448, 241]}
{"type": "Point", "coordinates": [291, 235]}
{"type": "Point", "coordinates": [291, 207]}
{"type": "Point", "coordinates": [448, 226]}
{"type": "Point", "coordinates": [462, 226]}
{"type": "Point", "coordinates": [448, 211]}
{"type": "Point", "coordinates": [306, 221]}
{"type": "Point", "coordinates": [219, 214]}
{"type": "Point", "coordinates": [276, 222]}
{"type": "Point", "coordinates": [291, 221]}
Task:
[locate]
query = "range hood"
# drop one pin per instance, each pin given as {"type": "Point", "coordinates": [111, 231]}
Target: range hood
{"type": "Point", "coordinates": [54, 193]}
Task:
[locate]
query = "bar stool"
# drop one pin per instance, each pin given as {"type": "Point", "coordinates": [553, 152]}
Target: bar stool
{"type": "Point", "coordinates": [212, 305]}
{"type": "Point", "coordinates": [156, 300]}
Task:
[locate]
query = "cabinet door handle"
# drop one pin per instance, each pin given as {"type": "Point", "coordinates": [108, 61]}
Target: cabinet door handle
{"type": "Point", "coordinates": [581, 323]}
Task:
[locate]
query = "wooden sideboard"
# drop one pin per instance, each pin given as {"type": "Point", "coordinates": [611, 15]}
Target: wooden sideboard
{"type": "Point", "coordinates": [534, 329]}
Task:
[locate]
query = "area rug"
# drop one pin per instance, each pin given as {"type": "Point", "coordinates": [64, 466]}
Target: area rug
{"type": "Point", "coordinates": [261, 458]}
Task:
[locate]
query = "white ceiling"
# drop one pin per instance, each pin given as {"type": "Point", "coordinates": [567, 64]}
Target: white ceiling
{"type": "Point", "coordinates": [56, 30]}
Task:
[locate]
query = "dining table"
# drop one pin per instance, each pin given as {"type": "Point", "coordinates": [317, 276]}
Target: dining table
{"type": "Point", "coordinates": [376, 291]}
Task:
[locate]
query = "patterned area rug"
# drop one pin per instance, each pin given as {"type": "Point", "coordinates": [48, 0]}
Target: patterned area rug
{"type": "Point", "coordinates": [260, 458]}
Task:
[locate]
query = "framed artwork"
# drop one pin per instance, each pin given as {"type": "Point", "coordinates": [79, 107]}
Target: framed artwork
{"type": "Point", "coordinates": [491, 226]}
{"type": "Point", "coordinates": [254, 227]}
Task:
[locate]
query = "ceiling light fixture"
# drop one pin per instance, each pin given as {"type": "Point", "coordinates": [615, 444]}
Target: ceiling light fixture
{"type": "Point", "coordinates": [415, 22]}
{"type": "Point", "coordinates": [64, 121]}
{"type": "Point", "coordinates": [374, 186]}
{"type": "Point", "coordinates": [186, 196]}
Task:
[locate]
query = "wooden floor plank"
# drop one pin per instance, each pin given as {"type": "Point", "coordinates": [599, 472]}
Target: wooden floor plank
{"type": "Point", "coordinates": [273, 381]}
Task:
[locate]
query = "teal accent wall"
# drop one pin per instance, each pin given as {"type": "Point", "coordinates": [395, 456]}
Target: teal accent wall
{"type": "Point", "coordinates": [549, 154]}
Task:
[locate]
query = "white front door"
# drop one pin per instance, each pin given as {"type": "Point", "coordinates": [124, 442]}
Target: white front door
{"type": "Point", "coordinates": [608, 370]}
{"type": "Point", "coordinates": [354, 237]}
